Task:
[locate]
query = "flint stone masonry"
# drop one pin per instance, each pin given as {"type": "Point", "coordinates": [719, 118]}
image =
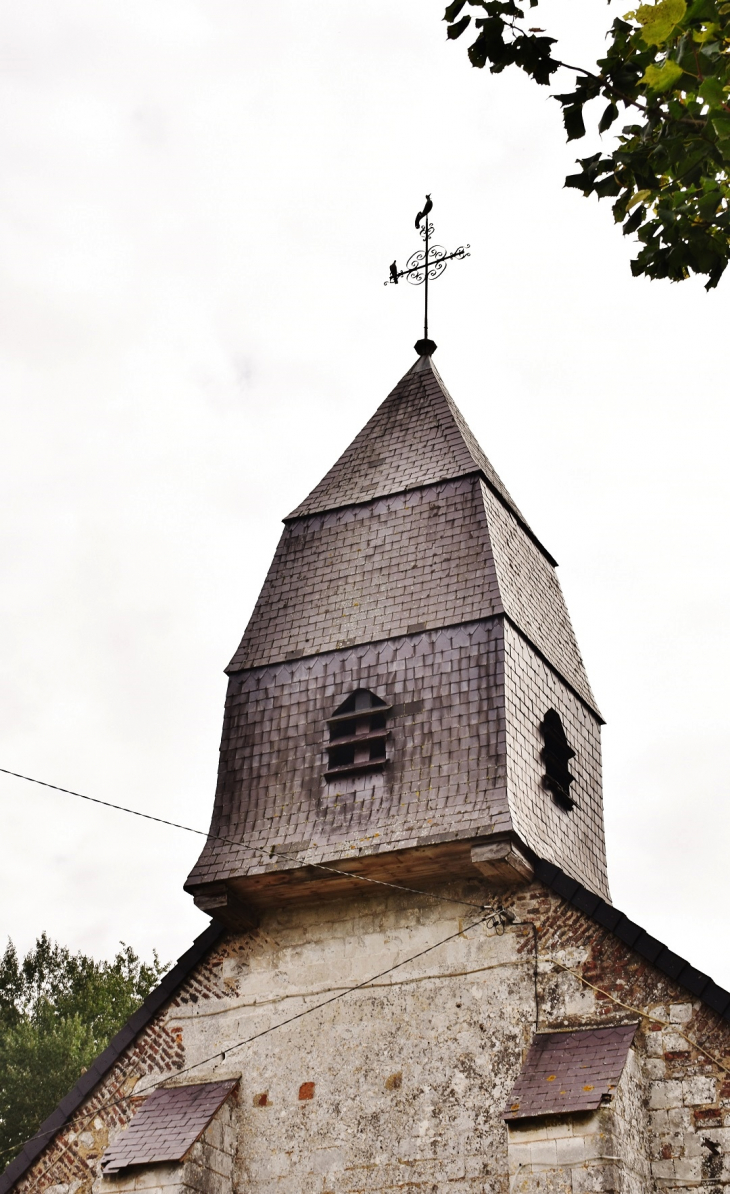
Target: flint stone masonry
{"type": "Point", "coordinates": [453, 1026]}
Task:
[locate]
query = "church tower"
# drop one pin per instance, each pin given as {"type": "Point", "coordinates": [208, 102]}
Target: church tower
{"type": "Point", "coordinates": [408, 699]}
{"type": "Point", "coordinates": [413, 978]}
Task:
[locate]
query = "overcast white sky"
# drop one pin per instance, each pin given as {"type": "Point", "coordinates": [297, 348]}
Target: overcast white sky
{"type": "Point", "coordinates": [199, 202]}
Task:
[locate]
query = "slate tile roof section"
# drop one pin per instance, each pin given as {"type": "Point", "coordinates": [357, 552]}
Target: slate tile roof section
{"type": "Point", "coordinates": [446, 770]}
{"type": "Point", "coordinates": [369, 572]}
{"type": "Point", "coordinates": [418, 436]}
{"type": "Point", "coordinates": [438, 556]}
{"type": "Point", "coordinates": [532, 597]}
{"type": "Point", "coordinates": [570, 1071]}
{"type": "Point", "coordinates": [167, 1125]}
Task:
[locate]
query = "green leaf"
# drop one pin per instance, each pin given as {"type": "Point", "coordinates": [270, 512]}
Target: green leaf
{"type": "Point", "coordinates": [634, 221]}
{"type": "Point", "coordinates": [704, 35]}
{"type": "Point", "coordinates": [702, 10]}
{"type": "Point", "coordinates": [581, 182]}
{"type": "Point", "coordinates": [708, 205]}
{"type": "Point", "coordinates": [607, 187]}
{"type": "Point", "coordinates": [721, 124]}
{"type": "Point", "coordinates": [661, 78]}
{"type": "Point", "coordinates": [608, 118]}
{"type": "Point", "coordinates": [658, 21]}
{"type": "Point", "coordinates": [453, 10]}
{"type": "Point", "coordinates": [712, 92]}
{"type": "Point", "coordinates": [639, 197]}
{"type": "Point", "coordinates": [715, 274]}
{"type": "Point", "coordinates": [668, 176]}
{"type": "Point", "coordinates": [573, 121]}
{"type": "Point", "coordinates": [458, 28]}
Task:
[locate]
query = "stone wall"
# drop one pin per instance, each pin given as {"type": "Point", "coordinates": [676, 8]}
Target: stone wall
{"type": "Point", "coordinates": [402, 1083]}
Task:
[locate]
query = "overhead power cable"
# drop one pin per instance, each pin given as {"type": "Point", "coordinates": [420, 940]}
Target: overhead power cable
{"type": "Point", "coordinates": [240, 844]}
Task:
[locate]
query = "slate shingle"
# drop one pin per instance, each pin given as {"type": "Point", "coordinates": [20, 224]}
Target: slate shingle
{"type": "Point", "coordinates": [570, 1071]}
{"type": "Point", "coordinates": [416, 437]}
{"type": "Point", "coordinates": [167, 1125]}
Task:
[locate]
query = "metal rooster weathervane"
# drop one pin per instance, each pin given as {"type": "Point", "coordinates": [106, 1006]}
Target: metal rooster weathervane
{"type": "Point", "coordinates": [429, 262]}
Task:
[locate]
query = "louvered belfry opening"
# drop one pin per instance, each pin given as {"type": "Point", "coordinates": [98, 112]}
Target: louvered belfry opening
{"type": "Point", "coordinates": [556, 755]}
{"type": "Point", "coordinates": [357, 735]}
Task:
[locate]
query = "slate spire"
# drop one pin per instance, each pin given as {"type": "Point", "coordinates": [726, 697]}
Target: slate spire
{"type": "Point", "coordinates": [407, 585]}
{"type": "Point", "coordinates": [416, 437]}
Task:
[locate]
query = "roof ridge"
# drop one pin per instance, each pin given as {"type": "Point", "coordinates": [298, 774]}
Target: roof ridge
{"type": "Point", "coordinates": [678, 969]}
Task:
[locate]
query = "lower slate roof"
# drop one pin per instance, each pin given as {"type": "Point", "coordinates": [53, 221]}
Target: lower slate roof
{"type": "Point", "coordinates": [699, 985]}
{"type": "Point", "coordinates": [570, 1071]}
{"type": "Point", "coordinates": [167, 1125]}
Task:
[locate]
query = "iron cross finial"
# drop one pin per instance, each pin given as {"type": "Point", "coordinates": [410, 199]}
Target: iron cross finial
{"type": "Point", "coordinates": [429, 262]}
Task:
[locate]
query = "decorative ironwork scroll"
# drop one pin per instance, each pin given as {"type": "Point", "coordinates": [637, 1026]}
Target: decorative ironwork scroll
{"type": "Point", "coordinates": [426, 265]}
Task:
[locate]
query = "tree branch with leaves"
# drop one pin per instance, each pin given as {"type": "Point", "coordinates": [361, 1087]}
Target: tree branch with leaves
{"type": "Point", "coordinates": [58, 1011]}
{"type": "Point", "coordinates": [668, 69]}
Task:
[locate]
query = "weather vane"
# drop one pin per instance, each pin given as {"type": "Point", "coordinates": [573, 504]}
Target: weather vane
{"type": "Point", "coordinates": [429, 262]}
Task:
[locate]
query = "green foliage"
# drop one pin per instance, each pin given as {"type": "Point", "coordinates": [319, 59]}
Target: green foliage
{"type": "Point", "coordinates": [58, 1011]}
{"type": "Point", "coordinates": [667, 67]}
